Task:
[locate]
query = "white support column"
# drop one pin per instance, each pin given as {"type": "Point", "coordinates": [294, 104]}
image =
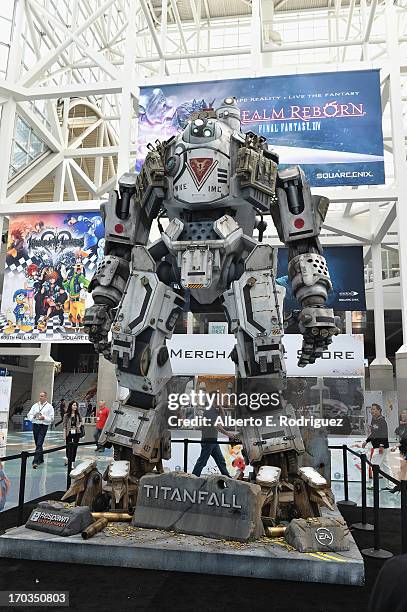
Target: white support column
{"type": "Point", "coordinates": [266, 30]}
{"type": "Point", "coordinates": [163, 34]}
{"type": "Point", "coordinates": [43, 374]}
{"type": "Point", "coordinates": [381, 370]}
{"type": "Point", "coordinates": [348, 322]}
{"type": "Point", "coordinates": [400, 171]}
{"type": "Point", "coordinates": [127, 111]}
{"type": "Point", "coordinates": [8, 115]}
{"type": "Point", "coordinates": [256, 36]}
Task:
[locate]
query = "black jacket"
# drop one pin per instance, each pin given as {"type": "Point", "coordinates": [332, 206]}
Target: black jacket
{"type": "Point", "coordinates": [379, 435]}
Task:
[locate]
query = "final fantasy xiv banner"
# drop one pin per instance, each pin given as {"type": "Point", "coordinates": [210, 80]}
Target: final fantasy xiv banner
{"type": "Point", "coordinates": [346, 269]}
{"type": "Point", "coordinates": [329, 123]}
{"type": "Point", "coordinates": [51, 259]}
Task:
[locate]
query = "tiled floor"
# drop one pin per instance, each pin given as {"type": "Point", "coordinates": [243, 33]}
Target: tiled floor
{"type": "Point", "coordinates": [51, 476]}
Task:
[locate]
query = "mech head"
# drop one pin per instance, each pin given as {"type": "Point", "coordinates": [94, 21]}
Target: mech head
{"type": "Point", "coordinates": [205, 125]}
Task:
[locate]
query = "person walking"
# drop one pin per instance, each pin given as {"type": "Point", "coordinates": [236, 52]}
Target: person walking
{"type": "Point", "coordinates": [101, 418]}
{"type": "Point", "coordinates": [72, 431]}
{"type": "Point", "coordinates": [41, 415]}
{"type": "Point", "coordinates": [89, 411]}
{"type": "Point", "coordinates": [378, 438]}
{"type": "Point", "coordinates": [209, 441]}
{"type": "Point", "coordinates": [62, 411]}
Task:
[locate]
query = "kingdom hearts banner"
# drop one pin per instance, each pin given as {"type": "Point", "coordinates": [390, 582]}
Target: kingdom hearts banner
{"type": "Point", "coordinates": [346, 270]}
{"type": "Point", "coordinates": [51, 259]}
{"type": "Point", "coordinates": [329, 123]}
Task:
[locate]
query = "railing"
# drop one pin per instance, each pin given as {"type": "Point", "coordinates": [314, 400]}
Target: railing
{"type": "Point", "coordinates": [375, 551]}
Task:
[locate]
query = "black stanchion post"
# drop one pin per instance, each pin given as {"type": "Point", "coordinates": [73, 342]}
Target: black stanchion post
{"type": "Point", "coordinates": [21, 494]}
{"type": "Point", "coordinates": [69, 469]}
{"type": "Point", "coordinates": [185, 455]}
{"type": "Point", "coordinates": [346, 501]}
{"type": "Point", "coordinates": [376, 551]}
{"type": "Point", "coordinates": [363, 525]}
{"type": "Point", "coordinates": [403, 488]}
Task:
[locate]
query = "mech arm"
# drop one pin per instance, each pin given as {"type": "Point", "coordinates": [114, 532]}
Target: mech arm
{"type": "Point", "coordinates": [298, 217]}
{"type": "Point", "coordinates": [127, 216]}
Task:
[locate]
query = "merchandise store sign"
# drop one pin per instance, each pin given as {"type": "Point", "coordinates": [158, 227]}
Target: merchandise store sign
{"type": "Point", "coordinates": [209, 354]}
{"type": "Point", "coordinates": [329, 123]}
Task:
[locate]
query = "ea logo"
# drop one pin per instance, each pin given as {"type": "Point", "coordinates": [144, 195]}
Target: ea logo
{"type": "Point", "coordinates": [35, 516]}
{"type": "Point", "coordinates": [324, 536]}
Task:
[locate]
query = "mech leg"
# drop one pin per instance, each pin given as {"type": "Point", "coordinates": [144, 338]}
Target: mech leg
{"type": "Point", "coordinates": [146, 316]}
{"type": "Point", "coordinates": [253, 306]}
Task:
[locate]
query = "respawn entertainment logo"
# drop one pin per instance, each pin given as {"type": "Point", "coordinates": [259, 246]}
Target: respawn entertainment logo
{"type": "Point", "coordinates": [47, 518]}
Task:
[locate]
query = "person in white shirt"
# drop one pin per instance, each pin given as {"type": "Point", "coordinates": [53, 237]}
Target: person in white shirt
{"type": "Point", "coordinates": [41, 415]}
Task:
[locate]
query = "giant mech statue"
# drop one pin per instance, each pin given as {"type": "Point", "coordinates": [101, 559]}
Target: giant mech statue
{"type": "Point", "coordinates": [214, 184]}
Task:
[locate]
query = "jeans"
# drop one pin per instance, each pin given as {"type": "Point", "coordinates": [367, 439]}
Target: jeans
{"type": "Point", "coordinates": [208, 449]}
{"type": "Point", "coordinates": [72, 441]}
{"type": "Point", "coordinates": [39, 431]}
{"type": "Point", "coordinates": [96, 436]}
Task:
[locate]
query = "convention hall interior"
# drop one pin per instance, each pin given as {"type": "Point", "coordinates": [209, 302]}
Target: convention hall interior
{"type": "Point", "coordinates": [85, 85]}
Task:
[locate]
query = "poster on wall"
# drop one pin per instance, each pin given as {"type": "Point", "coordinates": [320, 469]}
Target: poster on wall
{"type": "Point", "coordinates": [50, 261]}
{"type": "Point", "coordinates": [330, 123]}
{"type": "Point", "coordinates": [5, 393]}
{"type": "Point", "coordinates": [346, 269]}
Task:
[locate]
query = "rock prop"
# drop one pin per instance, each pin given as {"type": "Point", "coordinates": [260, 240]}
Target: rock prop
{"type": "Point", "coordinates": [320, 534]}
{"type": "Point", "coordinates": [86, 484]}
{"type": "Point", "coordinates": [213, 506]}
{"type": "Point", "coordinates": [55, 518]}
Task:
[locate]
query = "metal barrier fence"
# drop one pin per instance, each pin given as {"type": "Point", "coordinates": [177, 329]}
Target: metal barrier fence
{"type": "Point", "coordinates": [374, 551]}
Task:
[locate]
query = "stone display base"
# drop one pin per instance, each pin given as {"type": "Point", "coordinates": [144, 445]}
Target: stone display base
{"type": "Point", "coordinates": [123, 545]}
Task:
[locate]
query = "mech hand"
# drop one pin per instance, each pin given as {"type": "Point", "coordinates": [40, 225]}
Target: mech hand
{"type": "Point", "coordinates": [97, 323]}
{"type": "Point", "coordinates": [317, 325]}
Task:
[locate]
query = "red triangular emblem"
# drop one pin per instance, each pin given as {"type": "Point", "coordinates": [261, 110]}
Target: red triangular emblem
{"type": "Point", "coordinates": [201, 166]}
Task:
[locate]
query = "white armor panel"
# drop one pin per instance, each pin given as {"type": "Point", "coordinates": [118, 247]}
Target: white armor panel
{"type": "Point", "coordinates": [263, 440]}
{"type": "Point", "coordinates": [148, 305]}
{"type": "Point", "coordinates": [141, 430]}
{"type": "Point", "coordinates": [254, 305]}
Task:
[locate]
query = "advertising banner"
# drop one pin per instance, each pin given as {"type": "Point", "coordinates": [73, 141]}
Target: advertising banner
{"type": "Point", "coordinates": [50, 261]}
{"type": "Point", "coordinates": [346, 269]}
{"type": "Point", "coordinates": [5, 393]}
{"type": "Point", "coordinates": [329, 123]}
{"type": "Point", "coordinates": [209, 354]}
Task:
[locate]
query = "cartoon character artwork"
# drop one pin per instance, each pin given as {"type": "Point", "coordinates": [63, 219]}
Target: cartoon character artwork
{"type": "Point", "coordinates": [91, 228]}
{"type": "Point", "coordinates": [75, 283]}
{"type": "Point", "coordinates": [43, 253]}
{"type": "Point", "coordinates": [16, 247]}
{"type": "Point", "coordinates": [53, 298]}
{"type": "Point", "coordinates": [21, 313]}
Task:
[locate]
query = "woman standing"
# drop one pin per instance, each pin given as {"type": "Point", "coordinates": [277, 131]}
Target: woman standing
{"type": "Point", "coordinates": [72, 430]}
